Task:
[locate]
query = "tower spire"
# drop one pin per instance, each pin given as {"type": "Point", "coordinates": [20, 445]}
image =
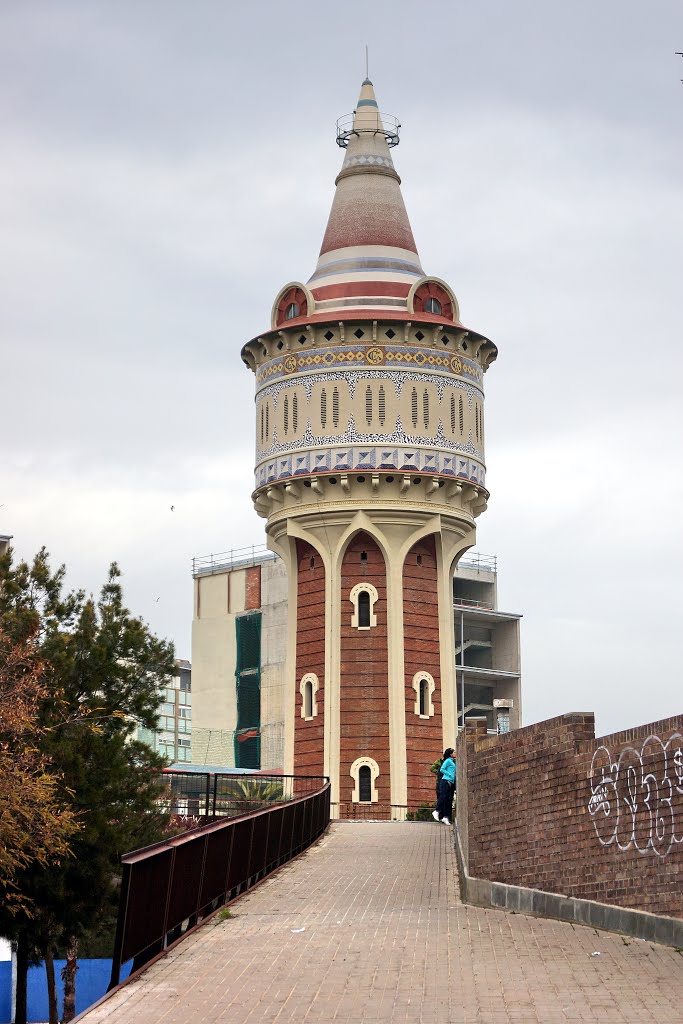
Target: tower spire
{"type": "Point", "coordinates": [368, 256]}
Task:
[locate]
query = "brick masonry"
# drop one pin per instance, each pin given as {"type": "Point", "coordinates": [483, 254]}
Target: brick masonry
{"type": "Point", "coordinates": [421, 650]}
{"type": "Point", "coordinates": [364, 695]}
{"type": "Point", "coordinates": [551, 807]}
{"type": "Point", "coordinates": [310, 657]}
{"type": "Point", "coordinates": [252, 588]}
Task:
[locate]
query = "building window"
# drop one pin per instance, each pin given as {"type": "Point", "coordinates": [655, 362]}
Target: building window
{"type": "Point", "coordinates": [248, 678]}
{"type": "Point", "coordinates": [292, 311]}
{"type": "Point", "coordinates": [308, 687]}
{"type": "Point", "coordinates": [424, 686]}
{"type": "Point", "coordinates": [364, 772]}
{"type": "Point", "coordinates": [433, 306]}
{"type": "Point", "coordinates": [363, 597]}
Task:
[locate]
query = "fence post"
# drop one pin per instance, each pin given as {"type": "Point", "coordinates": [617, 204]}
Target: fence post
{"type": "Point", "coordinates": [120, 927]}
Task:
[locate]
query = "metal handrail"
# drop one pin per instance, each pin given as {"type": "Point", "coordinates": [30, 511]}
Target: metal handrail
{"type": "Point", "coordinates": [482, 563]}
{"type": "Point", "coordinates": [368, 122]}
{"type": "Point", "coordinates": [468, 602]}
{"type": "Point", "coordinates": [169, 887]}
{"type": "Point", "coordinates": [255, 553]}
{"type": "Point", "coordinates": [232, 559]}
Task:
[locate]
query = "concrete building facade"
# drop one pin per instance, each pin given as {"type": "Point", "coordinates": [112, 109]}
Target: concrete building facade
{"type": "Point", "coordinates": [173, 736]}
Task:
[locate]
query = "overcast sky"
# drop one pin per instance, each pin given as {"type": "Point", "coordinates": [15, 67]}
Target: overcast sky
{"type": "Point", "coordinates": [166, 166]}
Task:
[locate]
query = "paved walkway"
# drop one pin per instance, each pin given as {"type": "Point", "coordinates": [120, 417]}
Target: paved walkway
{"type": "Point", "coordinates": [368, 926]}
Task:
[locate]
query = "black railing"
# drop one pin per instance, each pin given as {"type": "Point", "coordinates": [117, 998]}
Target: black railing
{"type": "Point", "coordinates": [167, 888]}
{"type": "Point", "coordinates": [197, 797]}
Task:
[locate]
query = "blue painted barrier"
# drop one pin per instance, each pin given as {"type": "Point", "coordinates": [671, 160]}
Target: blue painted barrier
{"type": "Point", "coordinates": [92, 979]}
{"type": "Point", "coordinates": [5, 991]}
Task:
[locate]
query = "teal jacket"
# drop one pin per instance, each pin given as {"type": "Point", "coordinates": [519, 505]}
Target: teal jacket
{"type": "Point", "coordinates": [447, 770]}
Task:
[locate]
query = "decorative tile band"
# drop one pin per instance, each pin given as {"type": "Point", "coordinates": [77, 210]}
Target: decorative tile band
{"type": "Point", "coordinates": [374, 356]}
{"type": "Point", "coordinates": [361, 459]}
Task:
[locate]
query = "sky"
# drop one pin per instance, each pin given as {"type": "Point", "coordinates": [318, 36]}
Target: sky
{"type": "Point", "coordinates": [166, 167]}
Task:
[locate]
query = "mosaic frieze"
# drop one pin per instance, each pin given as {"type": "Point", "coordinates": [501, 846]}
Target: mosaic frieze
{"type": "Point", "coordinates": [353, 377]}
{"type": "Point", "coordinates": [368, 458]}
{"type": "Point", "coordinates": [352, 435]}
{"type": "Point", "coordinates": [377, 356]}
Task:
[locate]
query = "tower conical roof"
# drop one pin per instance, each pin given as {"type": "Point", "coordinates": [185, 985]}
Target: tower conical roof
{"type": "Point", "coordinates": [368, 258]}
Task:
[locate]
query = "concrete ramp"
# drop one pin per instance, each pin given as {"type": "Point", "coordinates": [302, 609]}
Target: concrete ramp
{"type": "Point", "coordinates": [367, 925]}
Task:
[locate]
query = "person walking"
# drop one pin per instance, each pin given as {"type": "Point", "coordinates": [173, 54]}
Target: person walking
{"type": "Point", "coordinates": [444, 805]}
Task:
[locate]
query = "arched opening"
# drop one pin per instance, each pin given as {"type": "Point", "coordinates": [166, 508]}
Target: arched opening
{"type": "Point", "coordinates": [424, 698]}
{"type": "Point", "coordinates": [308, 699]}
{"type": "Point", "coordinates": [432, 305]}
{"type": "Point", "coordinates": [364, 784]}
{"type": "Point", "coordinates": [364, 609]}
{"type": "Point", "coordinates": [292, 311]}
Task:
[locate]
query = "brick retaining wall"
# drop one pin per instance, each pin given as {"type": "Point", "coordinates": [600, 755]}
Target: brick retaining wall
{"type": "Point", "coordinates": [551, 807]}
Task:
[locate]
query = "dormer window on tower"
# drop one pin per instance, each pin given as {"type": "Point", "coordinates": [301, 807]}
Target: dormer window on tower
{"type": "Point", "coordinates": [293, 301]}
{"type": "Point", "coordinates": [432, 305]}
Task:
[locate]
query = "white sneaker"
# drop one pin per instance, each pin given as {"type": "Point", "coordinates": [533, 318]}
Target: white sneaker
{"type": "Point", "coordinates": [445, 821]}
{"type": "Point", "coordinates": [435, 816]}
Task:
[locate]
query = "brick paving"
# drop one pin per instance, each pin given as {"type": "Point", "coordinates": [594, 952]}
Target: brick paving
{"type": "Point", "coordinates": [367, 926]}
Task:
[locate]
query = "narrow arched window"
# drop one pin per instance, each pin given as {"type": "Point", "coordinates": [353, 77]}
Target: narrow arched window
{"type": "Point", "coordinates": [295, 413]}
{"type": "Point", "coordinates": [413, 408]}
{"type": "Point", "coordinates": [368, 404]}
{"type": "Point", "coordinates": [452, 413]}
{"type": "Point", "coordinates": [364, 784]}
{"type": "Point", "coordinates": [461, 415]}
{"type": "Point", "coordinates": [424, 698]}
{"type": "Point", "coordinates": [323, 408]}
{"type": "Point", "coordinates": [433, 306]}
{"type": "Point", "coordinates": [335, 407]}
{"type": "Point", "coordinates": [292, 311]}
{"type": "Point", "coordinates": [285, 413]}
{"type": "Point", "coordinates": [364, 609]}
{"type": "Point", "coordinates": [382, 406]}
{"type": "Point", "coordinates": [425, 408]}
{"type": "Point", "coordinates": [308, 699]}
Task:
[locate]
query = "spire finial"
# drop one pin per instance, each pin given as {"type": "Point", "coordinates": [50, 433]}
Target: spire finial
{"type": "Point", "coordinates": [367, 63]}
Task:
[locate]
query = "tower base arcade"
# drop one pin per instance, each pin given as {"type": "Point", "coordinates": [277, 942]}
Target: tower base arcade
{"type": "Point", "coordinates": [370, 691]}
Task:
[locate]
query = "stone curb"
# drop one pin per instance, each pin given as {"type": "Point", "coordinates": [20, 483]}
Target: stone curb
{"type": "Point", "coordinates": [479, 892]}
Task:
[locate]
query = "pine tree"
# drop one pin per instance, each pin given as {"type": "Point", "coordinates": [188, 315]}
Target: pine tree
{"type": "Point", "coordinates": [104, 670]}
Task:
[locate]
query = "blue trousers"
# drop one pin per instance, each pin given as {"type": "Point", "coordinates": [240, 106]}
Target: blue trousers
{"type": "Point", "coordinates": [444, 805]}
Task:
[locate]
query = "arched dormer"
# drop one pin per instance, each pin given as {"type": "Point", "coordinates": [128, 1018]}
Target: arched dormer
{"type": "Point", "coordinates": [292, 302]}
{"type": "Point", "coordinates": [432, 296]}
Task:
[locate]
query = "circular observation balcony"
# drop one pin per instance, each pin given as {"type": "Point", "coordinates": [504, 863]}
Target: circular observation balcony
{"type": "Point", "coordinates": [369, 122]}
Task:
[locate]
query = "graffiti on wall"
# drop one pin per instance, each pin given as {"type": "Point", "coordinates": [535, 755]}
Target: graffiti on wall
{"type": "Point", "coordinates": [637, 799]}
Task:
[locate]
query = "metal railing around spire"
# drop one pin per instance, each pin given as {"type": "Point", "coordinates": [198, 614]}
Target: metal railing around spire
{"type": "Point", "coordinates": [373, 123]}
